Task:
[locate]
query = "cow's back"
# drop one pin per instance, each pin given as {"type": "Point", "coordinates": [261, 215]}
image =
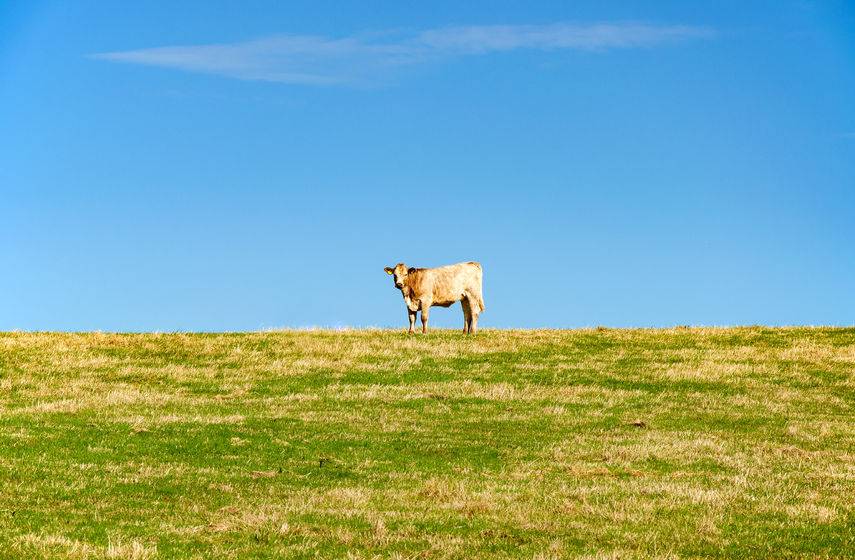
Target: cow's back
{"type": "Point", "coordinates": [451, 283]}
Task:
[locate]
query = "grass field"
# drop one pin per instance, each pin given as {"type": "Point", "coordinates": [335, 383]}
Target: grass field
{"type": "Point", "coordinates": [536, 444]}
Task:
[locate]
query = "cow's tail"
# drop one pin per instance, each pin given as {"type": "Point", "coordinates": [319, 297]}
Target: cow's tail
{"type": "Point", "coordinates": [481, 302]}
{"type": "Point", "coordinates": [479, 297]}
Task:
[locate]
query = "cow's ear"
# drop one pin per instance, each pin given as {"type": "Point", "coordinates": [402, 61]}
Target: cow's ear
{"type": "Point", "coordinates": [389, 270]}
{"type": "Point", "coordinates": [411, 270]}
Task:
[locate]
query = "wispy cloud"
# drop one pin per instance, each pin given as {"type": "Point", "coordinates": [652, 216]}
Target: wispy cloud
{"type": "Point", "coordinates": [489, 38]}
{"type": "Point", "coordinates": [316, 60]}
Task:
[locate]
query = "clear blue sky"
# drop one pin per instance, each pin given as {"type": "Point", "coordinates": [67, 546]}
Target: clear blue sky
{"type": "Point", "coordinates": [238, 165]}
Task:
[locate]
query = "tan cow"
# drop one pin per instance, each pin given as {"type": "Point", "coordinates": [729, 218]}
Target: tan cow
{"type": "Point", "coordinates": [443, 286]}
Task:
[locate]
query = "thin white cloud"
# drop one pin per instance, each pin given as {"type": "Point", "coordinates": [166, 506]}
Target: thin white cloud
{"type": "Point", "coordinates": [315, 60]}
{"type": "Point", "coordinates": [488, 38]}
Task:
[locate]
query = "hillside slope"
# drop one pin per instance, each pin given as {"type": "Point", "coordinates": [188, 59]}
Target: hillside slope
{"type": "Point", "coordinates": [607, 443]}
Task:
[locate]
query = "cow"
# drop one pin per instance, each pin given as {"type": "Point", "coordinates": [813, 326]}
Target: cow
{"type": "Point", "coordinates": [442, 286]}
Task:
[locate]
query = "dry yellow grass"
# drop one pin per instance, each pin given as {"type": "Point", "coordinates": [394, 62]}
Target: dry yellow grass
{"type": "Point", "coordinates": [544, 444]}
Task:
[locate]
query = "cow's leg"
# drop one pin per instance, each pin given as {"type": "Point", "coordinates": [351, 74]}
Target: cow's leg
{"type": "Point", "coordinates": [412, 317]}
{"type": "Point", "coordinates": [467, 314]}
{"type": "Point", "coordinates": [425, 314]}
{"type": "Point", "coordinates": [470, 306]}
{"type": "Point", "coordinates": [474, 307]}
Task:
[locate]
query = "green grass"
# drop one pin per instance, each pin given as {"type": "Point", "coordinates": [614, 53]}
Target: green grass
{"type": "Point", "coordinates": [535, 444]}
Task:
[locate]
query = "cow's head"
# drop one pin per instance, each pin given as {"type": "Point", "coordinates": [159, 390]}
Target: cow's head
{"type": "Point", "coordinates": [398, 274]}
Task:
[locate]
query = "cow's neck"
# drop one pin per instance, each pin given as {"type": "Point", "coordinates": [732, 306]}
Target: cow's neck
{"type": "Point", "coordinates": [409, 296]}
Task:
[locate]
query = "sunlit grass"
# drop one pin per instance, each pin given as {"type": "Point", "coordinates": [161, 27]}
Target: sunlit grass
{"type": "Point", "coordinates": [590, 443]}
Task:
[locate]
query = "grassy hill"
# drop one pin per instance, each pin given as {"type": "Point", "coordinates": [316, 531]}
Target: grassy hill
{"type": "Point", "coordinates": [548, 444]}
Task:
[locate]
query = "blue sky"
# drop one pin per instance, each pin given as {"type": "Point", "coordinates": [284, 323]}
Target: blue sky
{"type": "Point", "coordinates": [241, 166]}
